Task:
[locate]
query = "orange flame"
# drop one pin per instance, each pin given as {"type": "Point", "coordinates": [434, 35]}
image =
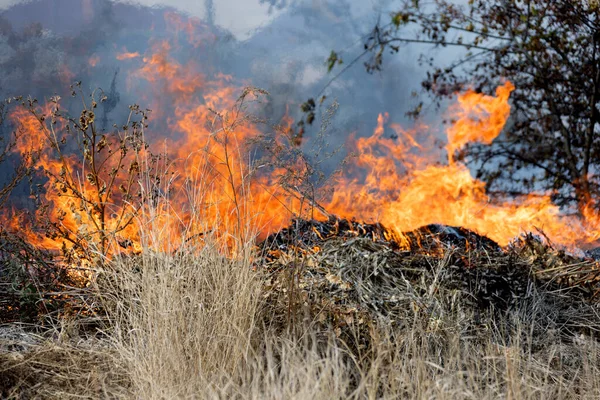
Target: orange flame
{"type": "Point", "coordinates": [93, 60]}
{"type": "Point", "coordinates": [127, 56]}
{"type": "Point", "coordinates": [404, 188]}
{"type": "Point", "coordinates": [205, 180]}
{"type": "Point", "coordinates": [194, 28]}
{"type": "Point", "coordinates": [480, 118]}
{"type": "Point", "coordinates": [73, 216]}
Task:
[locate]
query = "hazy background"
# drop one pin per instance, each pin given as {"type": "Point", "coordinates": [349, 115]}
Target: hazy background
{"type": "Point", "coordinates": [277, 45]}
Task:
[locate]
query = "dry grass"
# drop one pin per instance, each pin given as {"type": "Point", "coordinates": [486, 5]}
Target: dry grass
{"type": "Point", "coordinates": [180, 322]}
{"type": "Point", "coordinates": [59, 364]}
{"type": "Point", "coordinates": [197, 323]}
{"type": "Point", "coordinates": [195, 326]}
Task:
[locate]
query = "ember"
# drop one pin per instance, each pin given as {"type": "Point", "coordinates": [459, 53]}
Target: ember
{"type": "Point", "coordinates": [306, 234]}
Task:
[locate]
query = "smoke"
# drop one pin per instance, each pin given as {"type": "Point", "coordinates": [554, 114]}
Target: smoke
{"type": "Point", "coordinates": [288, 59]}
{"type": "Point", "coordinates": [46, 45]}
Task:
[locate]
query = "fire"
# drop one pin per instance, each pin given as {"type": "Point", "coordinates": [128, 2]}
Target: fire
{"type": "Point", "coordinates": [479, 118]}
{"type": "Point", "coordinates": [403, 185]}
{"type": "Point", "coordinates": [178, 81]}
{"type": "Point", "coordinates": [68, 213]}
{"type": "Point", "coordinates": [194, 29]}
{"type": "Point", "coordinates": [197, 178]}
{"type": "Point", "coordinates": [212, 183]}
{"type": "Point", "coordinates": [127, 55]}
{"type": "Point", "coordinates": [93, 60]}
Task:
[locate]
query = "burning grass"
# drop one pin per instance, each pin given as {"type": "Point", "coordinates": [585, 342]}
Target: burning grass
{"type": "Point", "coordinates": [333, 309]}
{"type": "Point", "coordinates": [348, 274]}
{"type": "Point", "coordinates": [180, 300]}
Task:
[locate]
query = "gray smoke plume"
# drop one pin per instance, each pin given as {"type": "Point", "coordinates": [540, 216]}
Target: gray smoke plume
{"type": "Point", "coordinates": [45, 43]}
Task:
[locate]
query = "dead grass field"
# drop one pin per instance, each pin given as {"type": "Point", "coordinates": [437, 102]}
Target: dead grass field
{"type": "Point", "coordinates": [198, 325]}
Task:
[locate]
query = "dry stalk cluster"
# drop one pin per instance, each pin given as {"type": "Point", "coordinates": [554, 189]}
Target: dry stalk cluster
{"type": "Point", "coordinates": [353, 279]}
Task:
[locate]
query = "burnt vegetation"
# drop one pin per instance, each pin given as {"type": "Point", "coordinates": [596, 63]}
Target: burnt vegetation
{"type": "Point", "coordinates": [380, 313]}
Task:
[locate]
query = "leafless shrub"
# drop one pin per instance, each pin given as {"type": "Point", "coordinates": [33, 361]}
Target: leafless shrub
{"type": "Point", "coordinates": [95, 172]}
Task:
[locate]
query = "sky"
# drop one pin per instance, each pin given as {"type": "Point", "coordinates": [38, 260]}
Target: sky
{"type": "Point", "coordinates": [241, 17]}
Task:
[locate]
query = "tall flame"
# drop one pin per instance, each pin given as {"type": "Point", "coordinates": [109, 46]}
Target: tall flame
{"type": "Point", "coordinates": [405, 188]}
{"type": "Point", "coordinates": [479, 118]}
{"type": "Point", "coordinates": [206, 178]}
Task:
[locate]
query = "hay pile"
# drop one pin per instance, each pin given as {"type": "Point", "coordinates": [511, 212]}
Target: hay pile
{"type": "Point", "coordinates": [353, 277]}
